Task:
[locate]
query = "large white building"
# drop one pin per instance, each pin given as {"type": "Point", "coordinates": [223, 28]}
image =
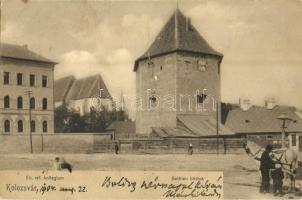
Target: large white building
{"type": "Point", "coordinates": [23, 71]}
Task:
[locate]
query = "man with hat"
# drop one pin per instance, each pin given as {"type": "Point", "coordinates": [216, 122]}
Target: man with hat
{"type": "Point", "coordinates": [266, 163]}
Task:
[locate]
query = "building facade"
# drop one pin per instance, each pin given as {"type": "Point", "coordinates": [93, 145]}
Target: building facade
{"type": "Point", "coordinates": [26, 80]}
{"type": "Point", "coordinates": [178, 77]}
{"type": "Point", "coordinates": [261, 125]}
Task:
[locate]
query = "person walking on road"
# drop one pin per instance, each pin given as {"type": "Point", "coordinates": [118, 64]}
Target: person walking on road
{"type": "Point", "coordinates": [190, 149]}
{"type": "Point", "coordinates": [116, 147]}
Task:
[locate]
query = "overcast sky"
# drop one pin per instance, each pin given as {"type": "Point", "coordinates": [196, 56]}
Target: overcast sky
{"type": "Point", "coordinates": [261, 40]}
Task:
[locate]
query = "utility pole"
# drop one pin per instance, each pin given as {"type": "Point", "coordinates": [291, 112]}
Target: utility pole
{"type": "Point", "coordinates": [283, 135]}
{"type": "Point", "coordinates": [1, 1]}
{"type": "Point", "coordinates": [217, 127]}
{"type": "Point", "coordinates": [29, 113]}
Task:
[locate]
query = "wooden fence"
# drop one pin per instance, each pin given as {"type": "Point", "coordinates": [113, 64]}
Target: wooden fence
{"type": "Point", "coordinates": [172, 145]}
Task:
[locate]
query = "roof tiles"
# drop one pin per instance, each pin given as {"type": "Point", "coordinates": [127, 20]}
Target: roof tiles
{"type": "Point", "coordinates": [21, 52]}
{"type": "Point", "coordinates": [178, 34]}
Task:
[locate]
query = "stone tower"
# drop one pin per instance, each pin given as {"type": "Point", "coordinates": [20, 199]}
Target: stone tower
{"type": "Point", "coordinates": [177, 78]}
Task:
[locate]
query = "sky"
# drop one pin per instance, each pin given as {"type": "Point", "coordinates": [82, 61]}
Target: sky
{"type": "Point", "coordinates": [261, 40]}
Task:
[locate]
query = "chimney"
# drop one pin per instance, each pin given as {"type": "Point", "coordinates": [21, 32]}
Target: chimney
{"type": "Point", "coordinates": [270, 103]}
{"type": "Point", "coordinates": [245, 104]}
{"type": "Point", "coordinates": [188, 23]}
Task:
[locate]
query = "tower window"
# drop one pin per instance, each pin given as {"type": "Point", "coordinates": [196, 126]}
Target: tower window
{"type": "Point", "coordinates": [202, 68]}
{"type": "Point", "coordinates": [153, 101]}
{"type": "Point", "coordinates": [187, 65]}
{"type": "Point", "coordinates": [6, 78]}
{"type": "Point", "coordinates": [161, 68]}
{"type": "Point", "coordinates": [201, 98]}
{"type": "Point", "coordinates": [201, 65]}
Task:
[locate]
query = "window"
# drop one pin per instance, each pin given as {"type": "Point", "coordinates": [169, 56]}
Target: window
{"type": "Point", "coordinates": [6, 126]}
{"type": "Point", "coordinates": [44, 81]}
{"type": "Point", "coordinates": [20, 103]}
{"type": "Point", "coordinates": [201, 98]}
{"type": "Point", "coordinates": [151, 67]}
{"type": "Point", "coordinates": [33, 126]}
{"type": "Point", "coordinates": [44, 104]}
{"type": "Point", "coordinates": [32, 80]}
{"type": "Point", "coordinates": [20, 126]}
{"type": "Point", "coordinates": [6, 102]}
{"type": "Point", "coordinates": [6, 78]}
{"type": "Point", "coordinates": [44, 126]}
{"type": "Point", "coordinates": [188, 63]}
{"type": "Point", "coordinates": [201, 64]}
{"type": "Point", "coordinates": [19, 79]}
{"type": "Point", "coordinates": [153, 101]}
{"type": "Point", "coordinates": [294, 140]}
{"type": "Point", "coordinates": [161, 68]}
{"type": "Point", "coordinates": [32, 103]}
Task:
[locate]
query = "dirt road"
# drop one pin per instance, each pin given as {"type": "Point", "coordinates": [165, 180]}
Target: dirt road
{"type": "Point", "coordinates": [241, 178]}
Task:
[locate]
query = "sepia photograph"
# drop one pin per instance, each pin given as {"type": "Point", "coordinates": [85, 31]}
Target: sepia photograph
{"type": "Point", "coordinates": [151, 99]}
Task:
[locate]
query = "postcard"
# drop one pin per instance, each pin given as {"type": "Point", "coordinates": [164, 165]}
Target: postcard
{"type": "Point", "coordinates": [150, 99]}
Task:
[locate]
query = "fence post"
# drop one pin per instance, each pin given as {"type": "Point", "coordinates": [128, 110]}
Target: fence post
{"type": "Point", "coordinates": [224, 145]}
{"type": "Point", "coordinates": [145, 146]}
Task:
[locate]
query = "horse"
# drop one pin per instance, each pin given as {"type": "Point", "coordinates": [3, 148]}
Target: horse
{"type": "Point", "coordinates": [288, 159]}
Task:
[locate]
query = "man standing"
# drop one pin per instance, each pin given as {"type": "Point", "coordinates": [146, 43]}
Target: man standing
{"type": "Point", "coordinates": [266, 163]}
{"type": "Point", "coordinates": [190, 149]}
{"type": "Point", "coordinates": [116, 147]}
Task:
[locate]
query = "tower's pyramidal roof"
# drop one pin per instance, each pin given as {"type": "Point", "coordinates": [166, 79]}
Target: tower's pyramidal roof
{"type": "Point", "coordinates": [178, 34]}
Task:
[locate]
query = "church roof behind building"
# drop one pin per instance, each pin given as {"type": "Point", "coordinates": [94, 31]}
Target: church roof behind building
{"type": "Point", "coordinates": [178, 34]}
{"type": "Point", "coordinates": [88, 87]}
{"type": "Point", "coordinates": [21, 52]}
{"type": "Point", "coordinates": [62, 87]}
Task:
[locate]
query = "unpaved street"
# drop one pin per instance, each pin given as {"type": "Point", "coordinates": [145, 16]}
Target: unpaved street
{"type": "Point", "coordinates": [241, 179]}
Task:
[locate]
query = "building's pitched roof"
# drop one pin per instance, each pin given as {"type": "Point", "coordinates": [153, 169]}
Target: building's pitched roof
{"type": "Point", "coordinates": [202, 125]}
{"type": "Point", "coordinates": [122, 126]}
{"type": "Point", "coordinates": [87, 88]}
{"type": "Point", "coordinates": [62, 87]}
{"type": "Point", "coordinates": [21, 52]}
{"type": "Point", "coordinates": [175, 36]}
{"type": "Point", "coordinates": [261, 120]}
{"type": "Point", "coordinates": [172, 132]}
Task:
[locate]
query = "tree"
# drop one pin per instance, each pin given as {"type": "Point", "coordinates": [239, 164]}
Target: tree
{"type": "Point", "coordinates": [96, 121]}
{"type": "Point", "coordinates": [62, 116]}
